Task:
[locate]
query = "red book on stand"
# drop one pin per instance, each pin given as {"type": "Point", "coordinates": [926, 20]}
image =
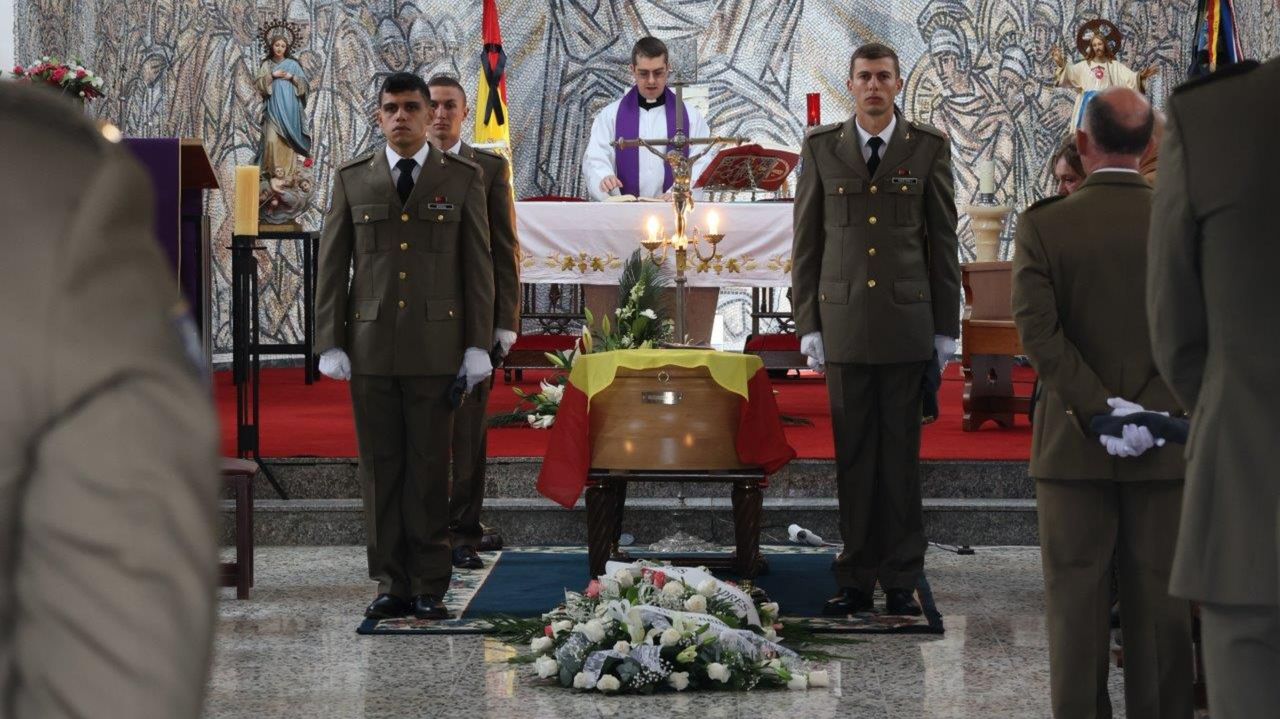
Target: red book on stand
{"type": "Point", "coordinates": [748, 167]}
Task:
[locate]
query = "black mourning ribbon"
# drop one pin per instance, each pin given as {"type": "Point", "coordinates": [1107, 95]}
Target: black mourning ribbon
{"type": "Point", "coordinates": [493, 76]}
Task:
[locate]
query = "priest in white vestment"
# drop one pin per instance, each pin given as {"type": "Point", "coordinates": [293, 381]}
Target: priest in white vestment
{"type": "Point", "coordinates": [647, 110]}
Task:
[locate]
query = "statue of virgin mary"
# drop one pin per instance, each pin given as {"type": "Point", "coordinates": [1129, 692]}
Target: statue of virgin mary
{"type": "Point", "coordinates": [286, 144]}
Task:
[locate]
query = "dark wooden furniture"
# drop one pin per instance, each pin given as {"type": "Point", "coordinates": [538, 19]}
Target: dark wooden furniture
{"type": "Point", "coordinates": [989, 344]}
{"type": "Point", "coordinates": [237, 475]}
{"type": "Point", "coordinates": [671, 424]}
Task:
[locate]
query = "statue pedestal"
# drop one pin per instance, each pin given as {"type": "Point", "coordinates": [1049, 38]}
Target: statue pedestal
{"type": "Point", "coordinates": [987, 221]}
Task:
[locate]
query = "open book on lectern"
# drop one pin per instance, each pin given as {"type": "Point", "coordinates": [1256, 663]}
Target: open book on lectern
{"type": "Point", "coordinates": [748, 167]}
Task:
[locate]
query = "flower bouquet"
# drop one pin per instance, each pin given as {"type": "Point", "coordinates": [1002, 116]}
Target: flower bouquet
{"type": "Point", "coordinates": [642, 627]}
{"type": "Point", "coordinates": [71, 77]}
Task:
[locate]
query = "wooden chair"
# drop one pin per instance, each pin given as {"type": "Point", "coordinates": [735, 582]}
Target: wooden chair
{"type": "Point", "coordinates": [237, 475]}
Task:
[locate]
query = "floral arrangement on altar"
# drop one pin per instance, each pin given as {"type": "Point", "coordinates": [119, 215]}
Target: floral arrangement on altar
{"type": "Point", "coordinates": [642, 627]}
{"type": "Point", "coordinates": [640, 323]}
{"type": "Point", "coordinates": [71, 77]}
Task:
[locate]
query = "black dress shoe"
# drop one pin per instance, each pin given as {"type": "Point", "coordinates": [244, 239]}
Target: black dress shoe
{"type": "Point", "coordinates": [900, 601]}
{"type": "Point", "coordinates": [388, 606]}
{"type": "Point", "coordinates": [466, 558]}
{"type": "Point", "coordinates": [429, 606]}
{"type": "Point", "coordinates": [847, 601]}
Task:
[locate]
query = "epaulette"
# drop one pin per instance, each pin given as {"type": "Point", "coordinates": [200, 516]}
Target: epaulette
{"type": "Point", "coordinates": [1232, 70]}
{"type": "Point", "coordinates": [490, 153]}
{"type": "Point", "coordinates": [929, 130]}
{"type": "Point", "coordinates": [463, 160]}
{"type": "Point", "coordinates": [1044, 201]}
{"type": "Point", "coordinates": [356, 161]}
{"type": "Point", "coordinates": [820, 129]}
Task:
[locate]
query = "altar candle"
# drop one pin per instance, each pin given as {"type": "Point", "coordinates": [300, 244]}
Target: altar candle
{"type": "Point", "coordinates": [246, 207]}
{"type": "Point", "coordinates": [654, 228]}
{"type": "Point", "coordinates": [713, 222]}
{"type": "Point", "coordinates": [986, 177]}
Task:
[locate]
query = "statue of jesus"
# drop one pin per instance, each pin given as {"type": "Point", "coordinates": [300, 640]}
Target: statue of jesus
{"type": "Point", "coordinates": [1098, 41]}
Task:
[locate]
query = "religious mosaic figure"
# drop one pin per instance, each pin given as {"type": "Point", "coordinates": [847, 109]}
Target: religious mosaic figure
{"type": "Point", "coordinates": [1099, 41]}
{"type": "Point", "coordinates": [286, 146]}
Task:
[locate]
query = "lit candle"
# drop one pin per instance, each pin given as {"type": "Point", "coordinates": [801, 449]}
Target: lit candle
{"type": "Point", "coordinates": [654, 228]}
{"type": "Point", "coordinates": [713, 222]}
{"type": "Point", "coordinates": [986, 177]}
{"type": "Point", "coordinates": [246, 207]}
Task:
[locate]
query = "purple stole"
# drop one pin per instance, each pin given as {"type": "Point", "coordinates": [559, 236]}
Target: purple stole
{"type": "Point", "coordinates": [627, 162]}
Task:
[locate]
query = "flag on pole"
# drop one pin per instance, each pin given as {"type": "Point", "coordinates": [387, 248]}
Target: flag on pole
{"type": "Point", "coordinates": [492, 120]}
{"type": "Point", "coordinates": [1217, 42]}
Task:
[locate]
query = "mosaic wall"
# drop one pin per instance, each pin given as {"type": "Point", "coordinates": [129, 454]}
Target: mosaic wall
{"type": "Point", "coordinates": [981, 71]}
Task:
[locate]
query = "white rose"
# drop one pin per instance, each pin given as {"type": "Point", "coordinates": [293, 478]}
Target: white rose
{"type": "Point", "coordinates": [673, 588]}
{"type": "Point", "coordinates": [594, 630]}
{"type": "Point", "coordinates": [696, 603]}
{"type": "Point", "coordinates": [678, 680]}
{"type": "Point", "coordinates": [718, 672]}
{"type": "Point", "coordinates": [798, 681]}
{"type": "Point", "coordinates": [581, 681]}
{"type": "Point", "coordinates": [624, 578]}
{"type": "Point", "coordinates": [562, 626]}
{"type": "Point", "coordinates": [650, 314]}
{"type": "Point", "coordinates": [769, 609]}
{"type": "Point", "coordinates": [622, 647]}
{"type": "Point", "coordinates": [547, 667]}
{"type": "Point", "coordinates": [819, 679]}
{"type": "Point", "coordinates": [608, 683]}
{"type": "Point", "coordinates": [670, 638]}
{"type": "Point", "coordinates": [541, 644]}
{"type": "Point", "coordinates": [708, 588]}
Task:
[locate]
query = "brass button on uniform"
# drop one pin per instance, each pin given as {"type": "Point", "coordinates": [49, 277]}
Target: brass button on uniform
{"type": "Point", "coordinates": [904, 188]}
{"type": "Point", "coordinates": [366, 218]}
{"type": "Point", "coordinates": [401, 303]}
{"type": "Point", "coordinates": [822, 296]}
{"type": "Point", "coordinates": [920, 295]}
{"type": "Point", "coordinates": [403, 275]}
{"type": "Point", "coordinates": [404, 245]}
{"type": "Point", "coordinates": [404, 217]}
{"type": "Point", "coordinates": [874, 189]}
{"type": "Point", "coordinates": [871, 283]}
{"type": "Point", "coordinates": [439, 218]}
{"type": "Point", "coordinates": [872, 252]}
{"type": "Point", "coordinates": [357, 315]}
{"type": "Point", "coordinates": [450, 313]}
{"type": "Point", "coordinates": [872, 219]}
{"type": "Point", "coordinates": [840, 190]}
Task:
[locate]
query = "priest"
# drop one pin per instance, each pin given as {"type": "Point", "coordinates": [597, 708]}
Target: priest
{"type": "Point", "coordinates": [647, 110]}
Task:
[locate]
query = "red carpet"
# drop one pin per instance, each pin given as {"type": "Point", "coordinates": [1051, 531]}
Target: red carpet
{"type": "Point", "coordinates": [315, 421]}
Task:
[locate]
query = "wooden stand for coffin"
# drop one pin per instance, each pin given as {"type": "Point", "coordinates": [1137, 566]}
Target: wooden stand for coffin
{"type": "Point", "coordinates": [990, 343]}
{"type": "Point", "coordinates": [671, 424]}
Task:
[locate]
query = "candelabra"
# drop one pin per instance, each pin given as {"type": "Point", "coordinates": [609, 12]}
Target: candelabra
{"type": "Point", "coordinates": [658, 245]}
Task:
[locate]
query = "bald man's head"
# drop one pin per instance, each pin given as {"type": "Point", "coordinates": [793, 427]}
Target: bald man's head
{"type": "Point", "coordinates": [1119, 122]}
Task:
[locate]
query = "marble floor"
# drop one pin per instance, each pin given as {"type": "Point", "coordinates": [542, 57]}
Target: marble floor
{"type": "Point", "coordinates": [292, 651]}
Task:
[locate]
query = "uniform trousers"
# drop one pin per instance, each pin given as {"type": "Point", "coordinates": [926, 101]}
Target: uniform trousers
{"type": "Point", "coordinates": [1241, 647]}
{"type": "Point", "coordinates": [470, 442]}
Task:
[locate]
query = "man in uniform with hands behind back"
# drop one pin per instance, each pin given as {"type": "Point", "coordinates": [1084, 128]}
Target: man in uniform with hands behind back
{"type": "Point", "coordinates": [416, 313]}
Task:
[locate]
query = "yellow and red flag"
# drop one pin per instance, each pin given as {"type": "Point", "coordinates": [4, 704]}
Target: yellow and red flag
{"type": "Point", "coordinates": [492, 119]}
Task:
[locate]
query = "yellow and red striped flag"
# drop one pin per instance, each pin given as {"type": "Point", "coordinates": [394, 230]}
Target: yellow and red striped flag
{"type": "Point", "coordinates": [492, 120]}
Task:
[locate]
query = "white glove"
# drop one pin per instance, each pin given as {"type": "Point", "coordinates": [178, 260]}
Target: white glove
{"type": "Point", "coordinates": [1134, 442]}
{"type": "Point", "coordinates": [811, 347]}
{"type": "Point", "coordinates": [1121, 407]}
{"type": "Point", "coordinates": [335, 364]}
{"type": "Point", "coordinates": [946, 348]}
{"type": "Point", "coordinates": [476, 366]}
{"type": "Point", "coordinates": [505, 338]}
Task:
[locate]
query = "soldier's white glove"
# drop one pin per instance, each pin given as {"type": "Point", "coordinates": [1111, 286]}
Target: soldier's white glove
{"type": "Point", "coordinates": [1135, 441]}
{"type": "Point", "coordinates": [475, 366]}
{"type": "Point", "coordinates": [811, 347]}
{"type": "Point", "coordinates": [1121, 407]}
{"type": "Point", "coordinates": [946, 348]}
{"type": "Point", "coordinates": [505, 338]}
{"type": "Point", "coordinates": [335, 364]}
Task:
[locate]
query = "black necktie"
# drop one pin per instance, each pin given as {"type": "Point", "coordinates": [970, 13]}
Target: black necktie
{"type": "Point", "coordinates": [874, 161]}
{"type": "Point", "coordinates": [405, 184]}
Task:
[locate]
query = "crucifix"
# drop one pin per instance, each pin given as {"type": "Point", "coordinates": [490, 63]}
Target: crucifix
{"type": "Point", "coordinates": [677, 156]}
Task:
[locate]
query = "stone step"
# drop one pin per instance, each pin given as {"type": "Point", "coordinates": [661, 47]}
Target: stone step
{"type": "Point", "coordinates": [524, 521]}
{"type": "Point", "coordinates": [517, 477]}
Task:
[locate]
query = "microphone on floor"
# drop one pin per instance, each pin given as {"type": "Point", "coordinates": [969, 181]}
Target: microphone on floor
{"type": "Point", "coordinates": [800, 535]}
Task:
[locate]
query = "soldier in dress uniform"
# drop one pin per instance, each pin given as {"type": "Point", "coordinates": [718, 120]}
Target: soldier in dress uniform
{"type": "Point", "coordinates": [412, 222]}
{"type": "Point", "coordinates": [108, 442]}
{"type": "Point", "coordinates": [448, 109]}
{"type": "Point", "coordinates": [876, 288]}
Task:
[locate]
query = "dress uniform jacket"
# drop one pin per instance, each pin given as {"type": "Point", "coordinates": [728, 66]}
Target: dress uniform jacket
{"type": "Point", "coordinates": [1079, 304]}
{"type": "Point", "coordinates": [108, 464]}
{"type": "Point", "coordinates": [422, 287]}
{"type": "Point", "coordinates": [875, 263]}
{"type": "Point", "coordinates": [1215, 326]}
{"type": "Point", "coordinates": [503, 243]}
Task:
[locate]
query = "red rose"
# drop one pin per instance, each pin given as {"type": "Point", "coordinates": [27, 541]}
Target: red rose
{"type": "Point", "coordinates": [58, 75]}
{"type": "Point", "coordinates": [593, 589]}
{"type": "Point", "coordinates": [549, 631]}
{"type": "Point", "coordinates": [659, 579]}
{"type": "Point", "coordinates": [17, 69]}
{"type": "Point", "coordinates": [308, 162]}
{"type": "Point", "coordinates": [80, 74]}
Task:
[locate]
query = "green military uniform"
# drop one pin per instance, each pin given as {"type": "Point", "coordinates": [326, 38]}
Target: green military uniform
{"type": "Point", "coordinates": [421, 293]}
{"type": "Point", "coordinates": [1079, 306]}
{"type": "Point", "coordinates": [1215, 327]}
{"type": "Point", "coordinates": [467, 496]}
{"type": "Point", "coordinates": [876, 271]}
{"type": "Point", "coordinates": [108, 443]}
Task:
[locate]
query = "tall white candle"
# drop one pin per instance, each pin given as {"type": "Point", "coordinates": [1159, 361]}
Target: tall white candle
{"type": "Point", "coordinates": [986, 177]}
{"type": "Point", "coordinates": [713, 222]}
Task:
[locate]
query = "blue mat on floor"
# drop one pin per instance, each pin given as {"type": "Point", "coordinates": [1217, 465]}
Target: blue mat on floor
{"type": "Point", "coordinates": [526, 584]}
